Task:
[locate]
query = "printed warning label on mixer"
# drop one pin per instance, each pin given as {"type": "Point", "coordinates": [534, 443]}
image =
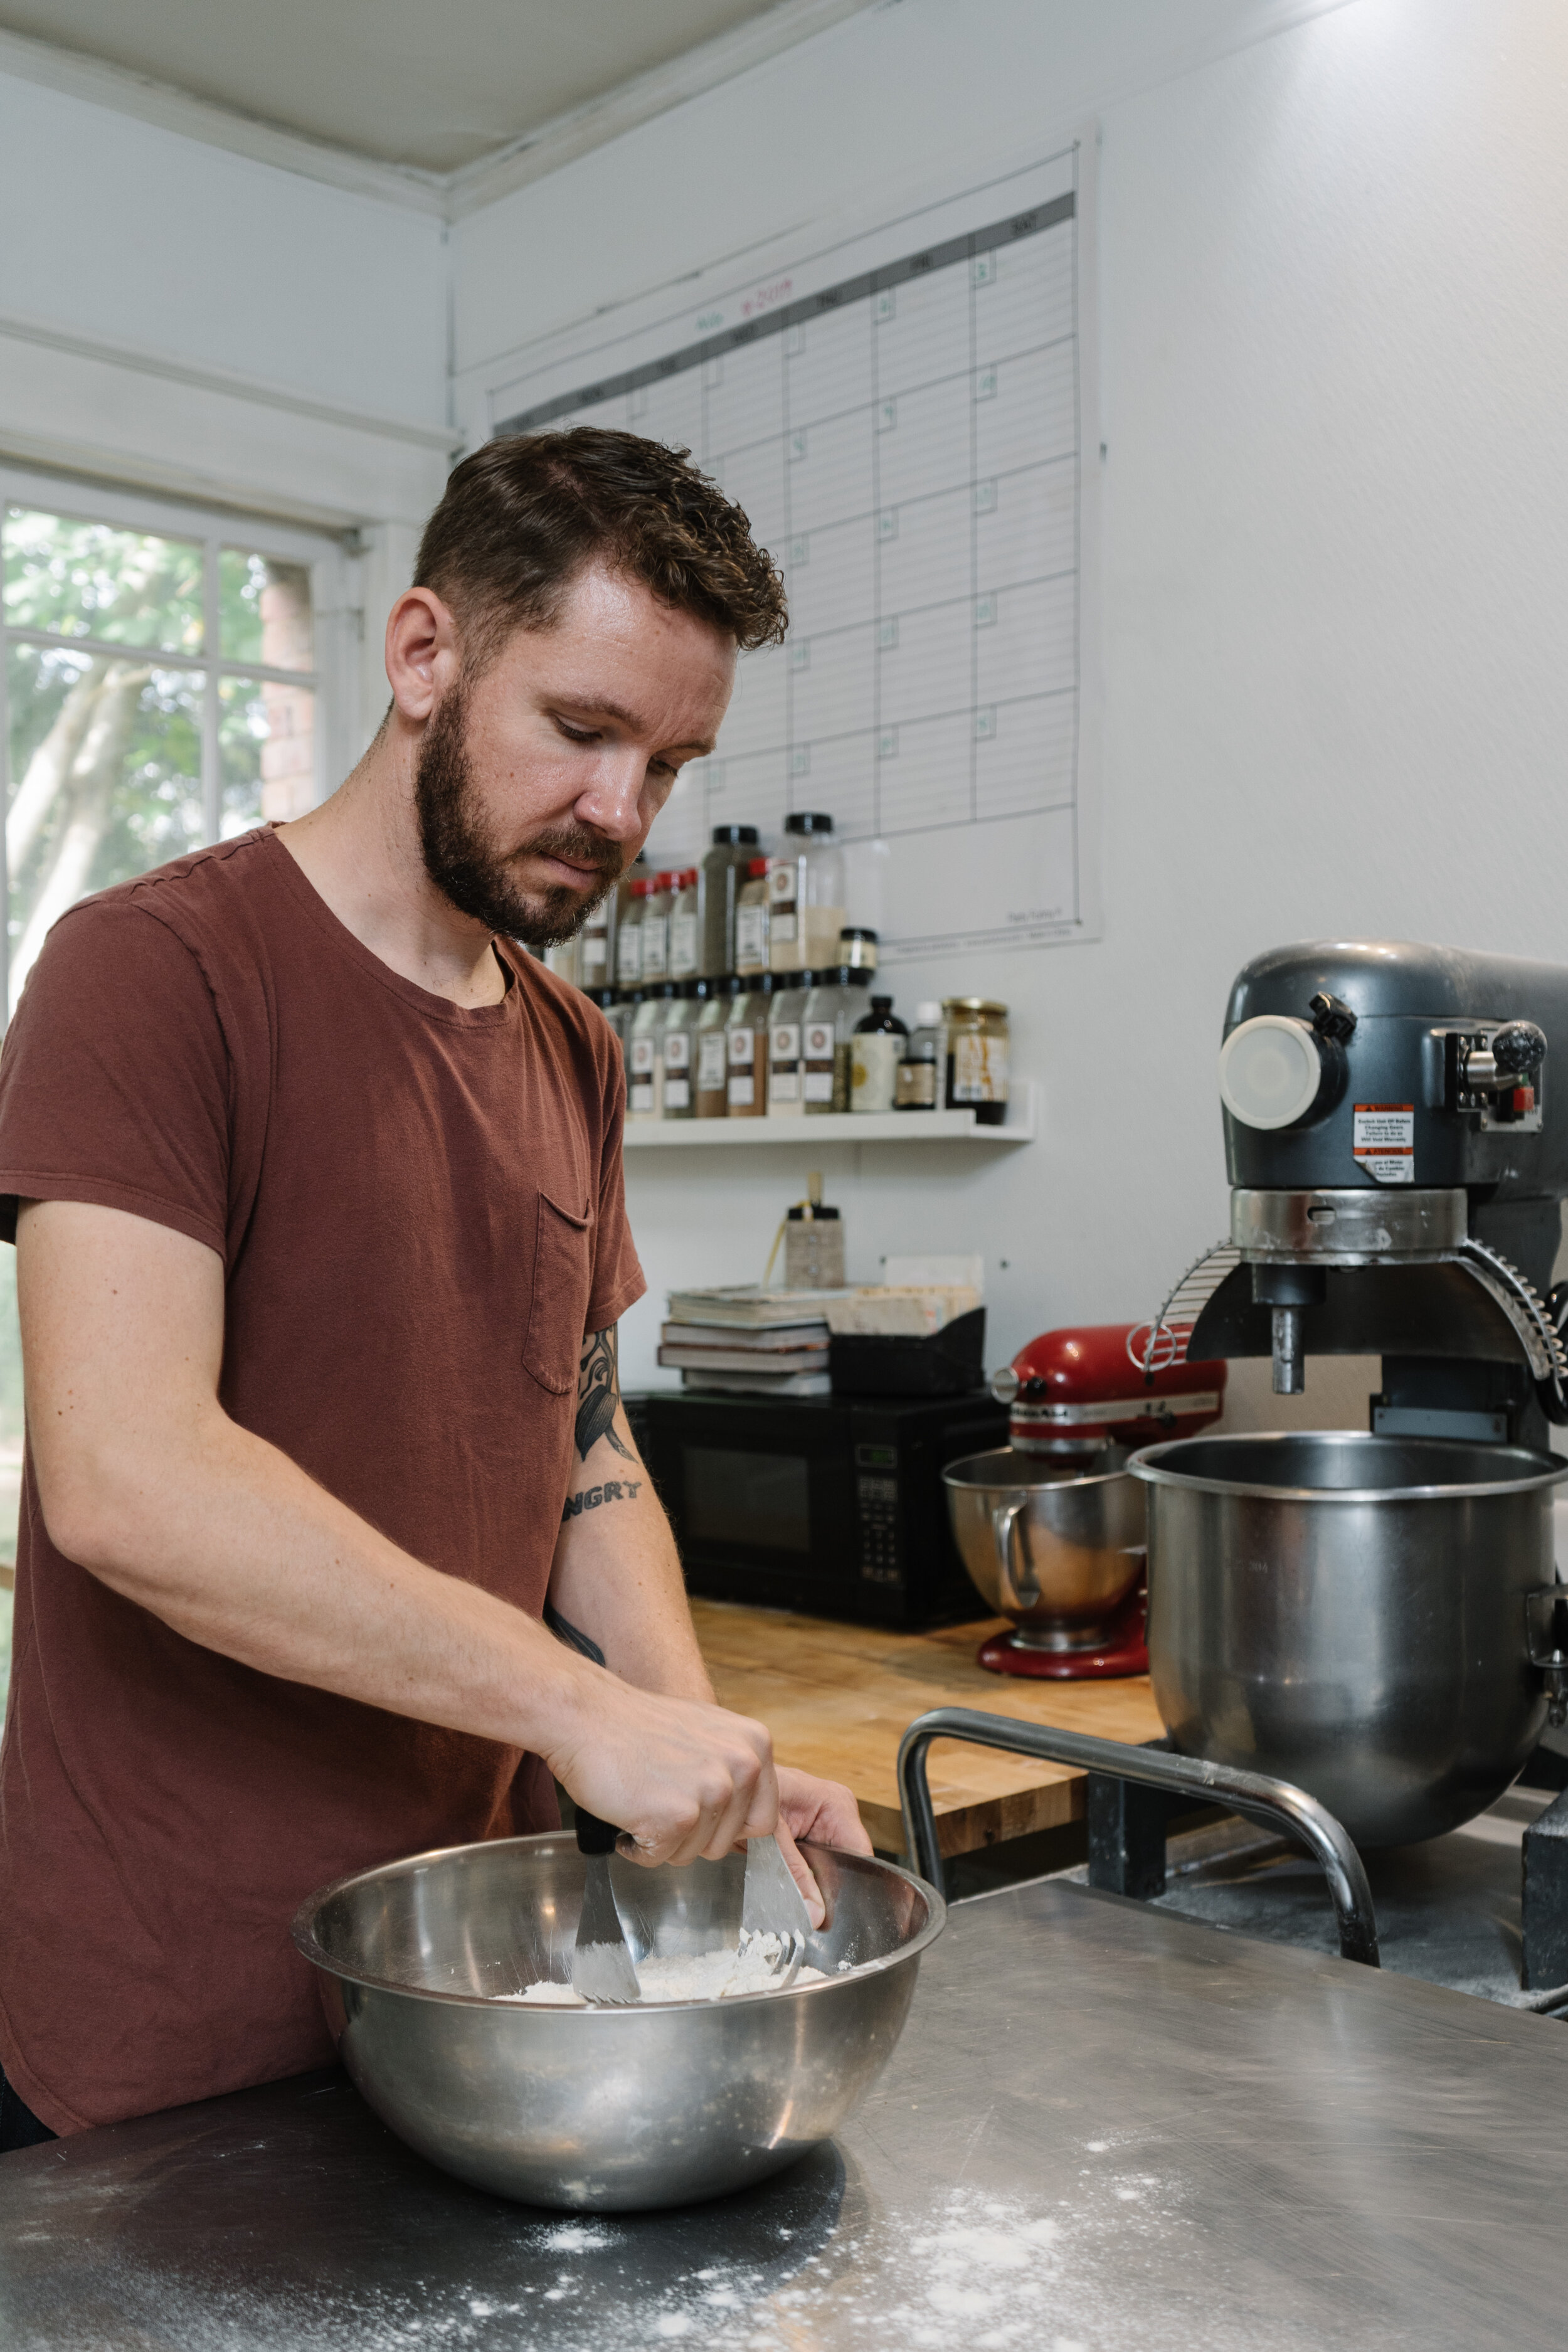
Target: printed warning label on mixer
{"type": "Point", "coordinates": [1384, 1142]}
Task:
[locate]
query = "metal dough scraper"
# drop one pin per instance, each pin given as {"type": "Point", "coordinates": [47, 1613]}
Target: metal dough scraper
{"type": "Point", "coordinates": [602, 1970]}
{"type": "Point", "coordinates": [772, 1905]}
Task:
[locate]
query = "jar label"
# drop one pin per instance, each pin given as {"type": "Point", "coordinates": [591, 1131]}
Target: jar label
{"type": "Point", "coordinates": [628, 955]}
{"type": "Point", "coordinates": [780, 882]}
{"type": "Point", "coordinates": [979, 1068]}
{"type": "Point", "coordinates": [642, 1056]}
{"type": "Point", "coordinates": [677, 1094]}
{"type": "Point", "coordinates": [785, 1041]}
{"type": "Point", "coordinates": [874, 1061]}
{"type": "Point", "coordinates": [819, 1041]}
{"type": "Point", "coordinates": [818, 1085]}
{"type": "Point", "coordinates": [783, 929]}
{"type": "Point", "coordinates": [655, 947]}
{"type": "Point", "coordinates": [595, 947]}
{"type": "Point", "coordinates": [677, 1049]}
{"type": "Point", "coordinates": [742, 1093]}
{"type": "Point", "coordinates": [914, 1088]}
{"type": "Point", "coordinates": [682, 947]}
{"type": "Point", "coordinates": [711, 1060]}
{"type": "Point", "coordinates": [742, 1047]}
{"type": "Point", "coordinates": [750, 939]}
{"type": "Point", "coordinates": [783, 1085]}
{"type": "Point", "coordinates": [642, 1095]}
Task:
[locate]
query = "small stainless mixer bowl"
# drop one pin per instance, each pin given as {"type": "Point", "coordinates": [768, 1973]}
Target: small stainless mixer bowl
{"type": "Point", "coordinates": [1058, 1552]}
{"type": "Point", "coordinates": [1352, 1613]}
{"type": "Point", "coordinates": [604, 2110]}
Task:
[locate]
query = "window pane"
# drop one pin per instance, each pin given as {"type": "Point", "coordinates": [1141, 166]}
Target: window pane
{"type": "Point", "coordinates": [89, 579]}
{"type": "Point", "coordinates": [267, 738]}
{"type": "Point", "coordinates": [265, 611]}
{"type": "Point", "coordinates": [106, 780]}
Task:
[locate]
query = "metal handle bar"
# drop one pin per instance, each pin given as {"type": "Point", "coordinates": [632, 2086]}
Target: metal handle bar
{"type": "Point", "coordinates": [1275, 1803]}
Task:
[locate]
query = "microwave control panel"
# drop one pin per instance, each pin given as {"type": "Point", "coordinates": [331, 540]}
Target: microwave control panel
{"type": "Point", "coordinates": [877, 1495]}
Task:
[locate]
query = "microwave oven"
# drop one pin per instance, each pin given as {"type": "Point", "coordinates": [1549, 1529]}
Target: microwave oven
{"type": "Point", "coordinates": [832, 1505]}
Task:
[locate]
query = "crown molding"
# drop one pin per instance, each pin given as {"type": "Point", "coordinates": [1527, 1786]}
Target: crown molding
{"type": "Point", "coordinates": [76, 75]}
{"type": "Point", "coordinates": [648, 95]}
{"type": "Point", "coordinates": [446, 195]}
{"type": "Point", "coordinates": [226, 382]}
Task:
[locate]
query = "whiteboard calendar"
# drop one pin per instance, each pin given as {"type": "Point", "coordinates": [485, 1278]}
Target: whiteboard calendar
{"type": "Point", "coordinates": [906, 414]}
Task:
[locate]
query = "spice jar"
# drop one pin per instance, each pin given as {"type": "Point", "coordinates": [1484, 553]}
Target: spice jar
{"type": "Point", "coordinates": [858, 947]}
{"type": "Point", "coordinates": [676, 1039]}
{"type": "Point", "coordinates": [645, 1091]}
{"type": "Point", "coordinates": [832, 1009]}
{"type": "Point", "coordinates": [806, 894]}
{"type": "Point", "coordinates": [656, 915]}
{"type": "Point", "coordinates": [628, 936]}
{"type": "Point", "coordinates": [977, 1043]}
{"type": "Point", "coordinates": [711, 1048]}
{"type": "Point", "coordinates": [752, 919]}
{"type": "Point", "coordinates": [922, 1077]}
{"type": "Point", "coordinates": [598, 946]}
{"type": "Point", "coordinates": [685, 945]}
{"type": "Point", "coordinates": [790, 991]}
{"type": "Point", "coordinates": [718, 889]}
{"type": "Point", "coordinates": [876, 1047]}
{"type": "Point", "coordinates": [746, 1041]}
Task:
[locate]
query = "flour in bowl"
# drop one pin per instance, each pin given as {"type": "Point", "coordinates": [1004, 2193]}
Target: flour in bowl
{"type": "Point", "coordinates": [696, 1976]}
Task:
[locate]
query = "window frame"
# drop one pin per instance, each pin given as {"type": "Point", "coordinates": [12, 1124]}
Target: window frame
{"type": "Point", "coordinates": [335, 620]}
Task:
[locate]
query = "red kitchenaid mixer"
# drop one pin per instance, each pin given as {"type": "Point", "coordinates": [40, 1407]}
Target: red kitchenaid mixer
{"type": "Point", "coordinates": [1051, 1529]}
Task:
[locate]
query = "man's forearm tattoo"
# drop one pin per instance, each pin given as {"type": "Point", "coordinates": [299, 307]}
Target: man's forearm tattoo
{"type": "Point", "coordinates": [598, 1394]}
{"type": "Point", "coordinates": [614, 1490]}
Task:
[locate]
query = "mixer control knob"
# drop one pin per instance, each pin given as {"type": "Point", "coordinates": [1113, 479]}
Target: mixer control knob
{"type": "Point", "coordinates": [1519, 1049]}
{"type": "Point", "coordinates": [1332, 1017]}
{"type": "Point", "coordinates": [1005, 1385]}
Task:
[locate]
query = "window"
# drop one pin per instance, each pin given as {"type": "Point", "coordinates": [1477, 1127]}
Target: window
{"type": "Point", "coordinates": [163, 685]}
{"type": "Point", "coordinates": [161, 689]}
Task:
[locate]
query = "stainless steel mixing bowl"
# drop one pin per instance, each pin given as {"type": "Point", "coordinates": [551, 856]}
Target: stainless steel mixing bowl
{"type": "Point", "coordinates": [1056, 1551]}
{"type": "Point", "coordinates": [1348, 1613]}
{"type": "Point", "coordinates": [605, 2110]}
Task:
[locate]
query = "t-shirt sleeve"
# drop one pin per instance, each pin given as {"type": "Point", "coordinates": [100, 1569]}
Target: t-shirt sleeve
{"type": "Point", "coordinates": [115, 1079]}
{"type": "Point", "coordinates": [618, 1280]}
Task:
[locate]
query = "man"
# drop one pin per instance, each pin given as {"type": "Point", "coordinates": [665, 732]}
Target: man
{"type": "Point", "coordinates": [316, 1188]}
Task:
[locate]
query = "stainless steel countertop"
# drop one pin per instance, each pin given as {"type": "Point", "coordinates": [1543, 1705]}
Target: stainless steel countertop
{"type": "Point", "coordinates": [1105, 2128]}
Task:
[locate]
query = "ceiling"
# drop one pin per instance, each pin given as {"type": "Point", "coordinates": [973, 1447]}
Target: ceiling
{"type": "Point", "coordinates": [433, 90]}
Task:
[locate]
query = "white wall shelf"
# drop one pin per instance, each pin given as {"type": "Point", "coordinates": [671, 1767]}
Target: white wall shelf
{"type": "Point", "coordinates": [843, 1127]}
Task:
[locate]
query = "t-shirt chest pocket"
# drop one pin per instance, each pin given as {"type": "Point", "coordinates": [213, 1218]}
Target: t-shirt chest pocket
{"type": "Point", "coordinates": [558, 1303]}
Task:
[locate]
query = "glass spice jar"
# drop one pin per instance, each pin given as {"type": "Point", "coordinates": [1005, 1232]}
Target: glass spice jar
{"type": "Point", "coordinates": [977, 1057]}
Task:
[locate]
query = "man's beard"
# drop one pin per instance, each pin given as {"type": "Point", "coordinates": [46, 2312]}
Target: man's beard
{"type": "Point", "coordinates": [464, 863]}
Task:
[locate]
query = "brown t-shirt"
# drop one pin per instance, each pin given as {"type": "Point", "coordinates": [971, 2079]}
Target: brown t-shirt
{"type": "Point", "coordinates": [419, 1213]}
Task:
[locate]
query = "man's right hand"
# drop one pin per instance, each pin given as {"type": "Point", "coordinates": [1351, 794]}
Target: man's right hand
{"type": "Point", "coordinates": [685, 1781]}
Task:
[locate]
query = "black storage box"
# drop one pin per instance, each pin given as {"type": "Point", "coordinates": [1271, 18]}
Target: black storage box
{"type": "Point", "coordinates": [949, 1363]}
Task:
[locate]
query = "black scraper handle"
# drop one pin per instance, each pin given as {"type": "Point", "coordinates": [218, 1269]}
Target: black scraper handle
{"type": "Point", "coordinates": [594, 1836]}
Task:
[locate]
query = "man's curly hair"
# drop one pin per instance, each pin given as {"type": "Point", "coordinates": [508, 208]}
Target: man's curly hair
{"type": "Point", "coordinates": [523, 515]}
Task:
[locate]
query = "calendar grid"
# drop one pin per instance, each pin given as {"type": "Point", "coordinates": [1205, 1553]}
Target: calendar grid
{"type": "Point", "coordinates": [908, 443]}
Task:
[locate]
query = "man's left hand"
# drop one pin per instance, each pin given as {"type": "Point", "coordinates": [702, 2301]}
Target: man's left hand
{"type": "Point", "coordinates": [824, 1812]}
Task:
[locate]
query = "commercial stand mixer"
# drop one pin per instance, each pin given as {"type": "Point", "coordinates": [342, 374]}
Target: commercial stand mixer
{"type": "Point", "coordinates": [1376, 1617]}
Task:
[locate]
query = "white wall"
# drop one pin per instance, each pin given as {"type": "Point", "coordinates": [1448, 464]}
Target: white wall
{"type": "Point", "coordinates": [181, 319]}
{"type": "Point", "coordinates": [1335, 292]}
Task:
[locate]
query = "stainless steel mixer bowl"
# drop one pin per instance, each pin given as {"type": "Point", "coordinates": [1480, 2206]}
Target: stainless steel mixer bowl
{"type": "Point", "coordinates": [1348, 1613]}
{"type": "Point", "coordinates": [606, 2110]}
{"type": "Point", "coordinates": [1056, 1551]}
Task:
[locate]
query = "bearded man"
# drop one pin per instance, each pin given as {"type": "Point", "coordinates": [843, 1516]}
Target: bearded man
{"type": "Point", "coordinates": [315, 1183]}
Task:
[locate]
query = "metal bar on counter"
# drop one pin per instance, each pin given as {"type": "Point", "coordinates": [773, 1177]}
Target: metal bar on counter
{"type": "Point", "coordinates": [1275, 1803]}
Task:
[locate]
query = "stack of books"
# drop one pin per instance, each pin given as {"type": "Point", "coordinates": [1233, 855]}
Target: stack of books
{"type": "Point", "coordinates": [749, 1342]}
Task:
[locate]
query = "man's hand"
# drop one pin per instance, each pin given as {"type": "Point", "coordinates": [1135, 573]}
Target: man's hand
{"type": "Point", "coordinates": [682, 1777]}
{"type": "Point", "coordinates": [824, 1812]}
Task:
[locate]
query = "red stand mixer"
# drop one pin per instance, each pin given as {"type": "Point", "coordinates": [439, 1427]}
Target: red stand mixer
{"type": "Point", "coordinates": [1051, 1528]}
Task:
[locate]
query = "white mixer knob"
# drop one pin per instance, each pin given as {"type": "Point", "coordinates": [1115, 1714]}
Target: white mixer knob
{"type": "Point", "coordinates": [1270, 1070]}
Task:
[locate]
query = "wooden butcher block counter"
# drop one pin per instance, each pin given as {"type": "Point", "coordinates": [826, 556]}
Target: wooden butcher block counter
{"type": "Point", "coordinates": [838, 1699]}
